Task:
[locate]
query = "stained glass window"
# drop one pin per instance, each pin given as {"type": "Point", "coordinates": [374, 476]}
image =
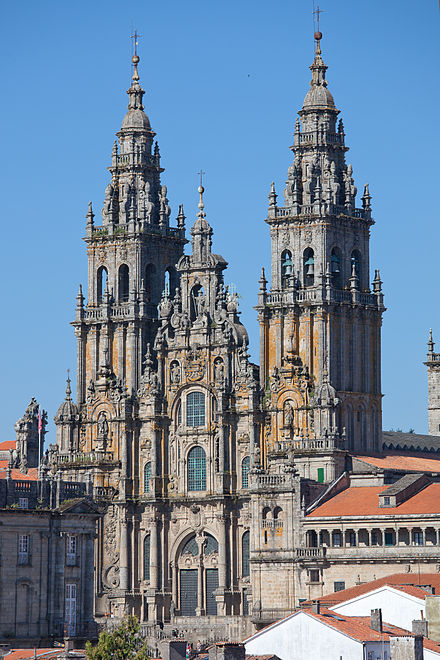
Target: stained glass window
{"type": "Point", "coordinates": [196, 469]}
{"type": "Point", "coordinates": [147, 475]}
{"type": "Point", "coordinates": [147, 557]}
{"type": "Point", "coordinates": [195, 409]}
{"type": "Point", "coordinates": [245, 465]}
{"type": "Point", "coordinates": [245, 554]}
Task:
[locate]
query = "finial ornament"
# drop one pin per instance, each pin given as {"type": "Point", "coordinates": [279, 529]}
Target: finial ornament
{"type": "Point", "coordinates": [201, 190]}
{"type": "Point", "coordinates": [318, 34]}
{"type": "Point", "coordinates": [135, 58]}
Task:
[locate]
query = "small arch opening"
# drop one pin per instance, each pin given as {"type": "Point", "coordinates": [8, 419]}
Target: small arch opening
{"type": "Point", "coordinates": [123, 283]}
{"type": "Point", "coordinates": [101, 282]}
{"type": "Point", "coordinates": [197, 301]}
{"type": "Point", "coordinates": [356, 261]}
{"type": "Point", "coordinates": [309, 267]}
{"type": "Point", "coordinates": [245, 467]}
{"type": "Point", "coordinates": [150, 272]}
{"type": "Point", "coordinates": [335, 267]}
{"type": "Point", "coordinates": [286, 268]}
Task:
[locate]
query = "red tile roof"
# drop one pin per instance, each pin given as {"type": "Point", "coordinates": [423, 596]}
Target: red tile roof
{"type": "Point", "coordinates": [48, 654]}
{"type": "Point", "coordinates": [358, 627]}
{"type": "Point", "coordinates": [412, 461]}
{"type": "Point", "coordinates": [32, 473]}
{"type": "Point", "coordinates": [404, 581]}
{"type": "Point", "coordinates": [7, 444]}
{"type": "Point", "coordinates": [364, 501]}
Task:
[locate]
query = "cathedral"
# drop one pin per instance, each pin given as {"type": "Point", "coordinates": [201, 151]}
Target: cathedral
{"type": "Point", "coordinates": [203, 462]}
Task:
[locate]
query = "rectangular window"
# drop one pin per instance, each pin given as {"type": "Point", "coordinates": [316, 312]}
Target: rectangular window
{"type": "Point", "coordinates": [337, 539]}
{"type": "Point", "coordinates": [71, 547]}
{"type": "Point", "coordinates": [195, 409]}
{"type": "Point", "coordinates": [338, 586]}
{"type": "Point", "coordinates": [321, 475]}
{"type": "Point", "coordinates": [70, 609]}
{"type": "Point", "coordinates": [352, 539]}
{"type": "Point", "coordinates": [389, 538]}
{"type": "Point", "coordinates": [386, 501]}
{"type": "Point", "coordinates": [418, 538]}
{"type": "Point", "coordinates": [23, 503]}
{"type": "Point", "coordinates": [23, 549]}
{"type": "Point", "coordinates": [314, 575]}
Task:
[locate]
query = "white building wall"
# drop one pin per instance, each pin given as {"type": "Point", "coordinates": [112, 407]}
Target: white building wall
{"type": "Point", "coordinates": [397, 607]}
{"type": "Point", "coordinates": [301, 637]}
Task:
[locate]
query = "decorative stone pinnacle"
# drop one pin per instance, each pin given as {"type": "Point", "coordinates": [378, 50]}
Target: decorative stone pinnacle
{"type": "Point", "coordinates": [430, 342]}
{"type": "Point", "coordinates": [68, 389]}
{"type": "Point", "coordinates": [262, 281]}
{"type": "Point", "coordinates": [90, 215]}
{"type": "Point", "coordinates": [181, 217]}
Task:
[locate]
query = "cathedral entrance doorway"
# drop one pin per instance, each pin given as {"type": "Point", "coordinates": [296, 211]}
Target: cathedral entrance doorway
{"type": "Point", "coordinates": [198, 576]}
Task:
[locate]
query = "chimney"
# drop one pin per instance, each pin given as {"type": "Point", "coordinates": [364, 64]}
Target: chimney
{"type": "Point", "coordinates": [376, 620]}
{"type": "Point", "coordinates": [420, 627]}
{"type": "Point", "coordinates": [316, 606]}
{"type": "Point", "coordinates": [410, 648]}
{"type": "Point", "coordinates": [227, 651]}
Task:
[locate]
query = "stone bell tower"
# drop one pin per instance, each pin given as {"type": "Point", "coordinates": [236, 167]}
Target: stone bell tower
{"type": "Point", "coordinates": [320, 323]}
{"type": "Point", "coordinates": [131, 256]}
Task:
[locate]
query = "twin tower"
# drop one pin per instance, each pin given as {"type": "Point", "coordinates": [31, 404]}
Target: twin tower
{"type": "Point", "coordinates": [172, 421]}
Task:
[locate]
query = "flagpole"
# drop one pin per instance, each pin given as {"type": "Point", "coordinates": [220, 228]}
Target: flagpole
{"type": "Point", "coordinates": [40, 426]}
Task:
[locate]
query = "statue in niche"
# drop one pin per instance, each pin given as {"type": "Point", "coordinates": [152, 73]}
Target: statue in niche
{"type": "Point", "coordinates": [102, 431]}
{"type": "Point", "coordinates": [219, 371]}
{"type": "Point", "coordinates": [175, 373]}
{"type": "Point", "coordinates": [288, 415]}
{"type": "Point", "coordinates": [107, 201]}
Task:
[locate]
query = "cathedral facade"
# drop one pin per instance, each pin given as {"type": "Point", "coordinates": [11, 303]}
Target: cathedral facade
{"type": "Point", "coordinates": [202, 460]}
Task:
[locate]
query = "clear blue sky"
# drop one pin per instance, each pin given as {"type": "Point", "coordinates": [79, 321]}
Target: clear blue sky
{"type": "Point", "coordinates": [224, 82]}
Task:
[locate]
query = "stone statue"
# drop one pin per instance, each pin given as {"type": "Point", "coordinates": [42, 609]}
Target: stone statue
{"type": "Point", "coordinates": [102, 425]}
{"type": "Point", "coordinates": [175, 373]}
{"type": "Point", "coordinates": [288, 415]}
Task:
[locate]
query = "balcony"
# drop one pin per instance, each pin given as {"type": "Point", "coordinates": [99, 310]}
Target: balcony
{"type": "Point", "coordinates": [81, 459]}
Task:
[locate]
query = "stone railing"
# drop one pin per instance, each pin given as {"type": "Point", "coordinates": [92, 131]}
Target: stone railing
{"type": "Point", "coordinates": [316, 444]}
{"type": "Point", "coordinates": [331, 209]}
{"type": "Point", "coordinates": [310, 553]}
{"type": "Point", "coordinates": [85, 458]}
{"type": "Point", "coordinates": [104, 492]}
{"type": "Point", "coordinates": [319, 294]}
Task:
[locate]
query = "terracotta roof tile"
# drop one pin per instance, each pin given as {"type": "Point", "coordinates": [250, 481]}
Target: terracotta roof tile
{"type": "Point", "coordinates": [358, 627]}
{"type": "Point", "coordinates": [404, 581]}
{"type": "Point", "coordinates": [32, 473]}
{"type": "Point", "coordinates": [7, 444]}
{"type": "Point", "coordinates": [415, 461]}
{"type": "Point", "coordinates": [364, 501]}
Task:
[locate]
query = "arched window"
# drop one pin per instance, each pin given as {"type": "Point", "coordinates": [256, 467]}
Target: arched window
{"type": "Point", "coordinates": [197, 469]}
{"type": "Point", "coordinates": [211, 545]}
{"type": "Point", "coordinates": [335, 267]}
{"type": "Point", "coordinates": [245, 465]}
{"type": "Point", "coordinates": [309, 267]}
{"type": "Point", "coordinates": [170, 281]}
{"type": "Point", "coordinates": [123, 283]}
{"type": "Point", "coordinates": [195, 409]}
{"type": "Point", "coordinates": [147, 557]}
{"type": "Point", "coordinates": [356, 262]}
{"type": "Point", "coordinates": [245, 549]}
{"type": "Point", "coordinates": [286, 267]}
{"type": "Point", "coordinates": [101, 282]}
{"type": "Point", "coordinates": [191, 547]}
{"type": "Point", "coordinates": [150, 272]}
{"type": "Point", "coordinates": [147, 475]}
{"type": "Point", "coordinates": [277, 513]}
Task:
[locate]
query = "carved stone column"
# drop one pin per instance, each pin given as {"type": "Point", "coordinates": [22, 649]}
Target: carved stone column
{"type": "Point", "coordinates": [154, 554]}
{"type": "Point", "coordinates": [123, 555]}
